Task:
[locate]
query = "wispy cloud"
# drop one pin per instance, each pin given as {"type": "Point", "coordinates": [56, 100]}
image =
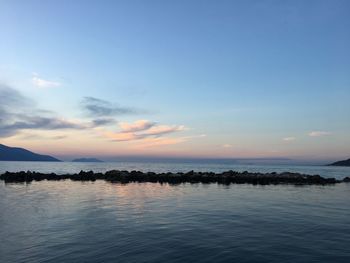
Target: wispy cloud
{"type": "Point", "coordinates": [139, 125]}
{"type": "Point", "coordinates": [102, 122]}
{"type": "Point", "coordinates": [48, 123]}
{"type": "Point", "coordinates": [319, 133]}
{"type": "Point", "coordinates": [227, 145]}
{"type": "Point", "coordinates": [18, 113]}
{"type": "Point", "coordinates": [142, 129]}
{"type": "Point", "coordinates": [101, 108]}
{"type": "Point", "coordinates": [32, 136]}
{"type": "Point", "coordinates": [163, 129]}
{"type": "Point", "coordinates": [43, 83]}
{"type": "Point", "coordinates": [289, 139]}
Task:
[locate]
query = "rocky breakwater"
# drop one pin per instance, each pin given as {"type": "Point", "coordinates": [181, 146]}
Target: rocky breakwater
{"type": "Point", "coordinates": [229, 177]}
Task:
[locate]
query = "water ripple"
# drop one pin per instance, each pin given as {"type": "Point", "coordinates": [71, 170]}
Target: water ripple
{"type": "Point", "coordinates": [101, 222]}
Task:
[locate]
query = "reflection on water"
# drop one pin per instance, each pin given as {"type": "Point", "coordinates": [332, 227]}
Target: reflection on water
{"type": "Point", "coordinates": [66, 221]}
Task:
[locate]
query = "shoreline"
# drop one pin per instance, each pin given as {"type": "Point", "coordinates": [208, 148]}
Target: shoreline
{"type": "Point", "coordinates": [228, 177]}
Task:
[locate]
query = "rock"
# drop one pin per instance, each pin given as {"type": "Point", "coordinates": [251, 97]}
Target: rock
{"type": "Point", "coordinates": [177, 178]}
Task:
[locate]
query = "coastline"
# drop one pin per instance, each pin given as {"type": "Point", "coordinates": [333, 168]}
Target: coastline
{"type": "Point", "coordinates": [228, 177]}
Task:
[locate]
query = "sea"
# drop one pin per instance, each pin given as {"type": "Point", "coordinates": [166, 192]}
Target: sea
{"type": "Point", "coordinates": [66, 221]}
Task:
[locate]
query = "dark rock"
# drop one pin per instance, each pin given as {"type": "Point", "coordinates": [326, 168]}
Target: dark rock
{"type": "Point", "coordinates": [229, 177]}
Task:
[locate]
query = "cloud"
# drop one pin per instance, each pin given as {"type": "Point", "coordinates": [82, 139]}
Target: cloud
{"type": "Point", "coordinates": [48, 123]}
{"type": "Point", "coordinates": [289, 139]}
{"type": "Point", "coordinates": [139, 125]}
{"type": "Point", "coordinates": [101, 108]}
{"type": "Point", "coordinates": [18, 113]}
{"type": "Point", "coordinates": [102, 122]}
{"type": "Point", "coordinates": [31, 136]}
{"type": "Point", "coordinates": [164, 129]}
{"type": "Point", "coordinates": [227, 146]}
{"type": "Point", "coordinates": [19, 123]}
{"type": "Point", "coordinates": [319, 133]}
{"type": "Point", "coordinates": [142, 129]}
{"type": "Point", "coordinates": [42, 83]}
{"type": "Point", "coordinates": [10, 97]}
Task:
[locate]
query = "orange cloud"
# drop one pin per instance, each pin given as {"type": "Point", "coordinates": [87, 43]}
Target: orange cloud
{"type": "Point", "coordinates": [142, 129]}
{"type": "Point", "coordinates": [163, 129]}
{"type": "Point", "coordinates": [139, 125]}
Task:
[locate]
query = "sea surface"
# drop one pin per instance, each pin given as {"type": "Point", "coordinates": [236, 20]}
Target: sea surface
{"type": "Point", "coordinates": [66, 221]}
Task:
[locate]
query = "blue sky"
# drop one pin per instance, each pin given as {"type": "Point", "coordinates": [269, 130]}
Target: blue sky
{"type": "Point", "coordinates": [211, 78]}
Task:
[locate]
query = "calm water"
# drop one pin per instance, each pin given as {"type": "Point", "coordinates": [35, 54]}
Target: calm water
{"type": "Point", "coordinates": [67, 221]}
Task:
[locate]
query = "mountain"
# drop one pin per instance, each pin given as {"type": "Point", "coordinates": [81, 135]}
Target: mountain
{"type": "Point", "coordinates": [341, 163]}
{"type": "Point", "coordinates": [87, 160]}
{"type": "Point", "coordinates": [19, 154]}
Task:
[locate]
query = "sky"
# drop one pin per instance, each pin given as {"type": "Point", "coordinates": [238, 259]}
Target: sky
{"type": "Point", "coordinates": [204, 79]}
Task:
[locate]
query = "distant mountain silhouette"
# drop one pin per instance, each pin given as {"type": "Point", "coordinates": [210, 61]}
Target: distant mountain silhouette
{"type": "Point", "coordinates": [19, 154]}
{"type": "Point", "coordinates": [341, 163]}
{"type": "Point", "coordinates": [87, 160]}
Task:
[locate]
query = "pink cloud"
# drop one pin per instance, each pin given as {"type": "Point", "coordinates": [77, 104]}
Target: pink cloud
{"type": "Point", "coordinates": [142, 129]}
{"type": "Point", "coordinates": [164, 129]}
{"type": "Point", "coordinates": [139, 125]}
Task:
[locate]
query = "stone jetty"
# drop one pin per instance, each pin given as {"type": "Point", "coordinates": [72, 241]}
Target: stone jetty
{"type": "Point", "coordinates": [228, 177]}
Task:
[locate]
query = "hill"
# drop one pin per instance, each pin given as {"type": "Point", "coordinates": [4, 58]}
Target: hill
{"type": "Point", "coordinates": [19, 154]}
{"type": "Point", "coordinates": [341, 163]}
